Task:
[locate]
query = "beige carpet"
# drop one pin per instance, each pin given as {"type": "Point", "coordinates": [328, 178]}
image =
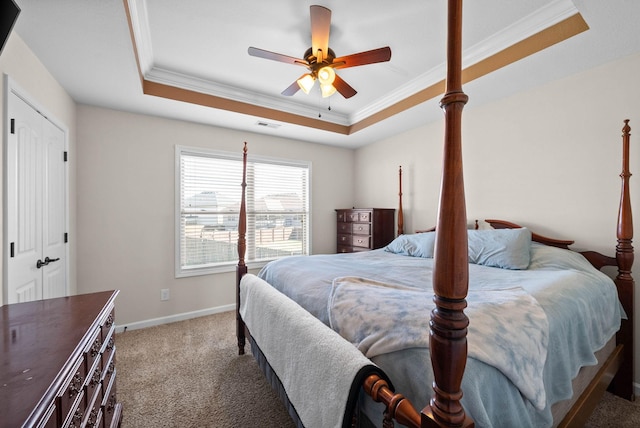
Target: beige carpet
{"type": "Point", "coordinates": [188, 374]}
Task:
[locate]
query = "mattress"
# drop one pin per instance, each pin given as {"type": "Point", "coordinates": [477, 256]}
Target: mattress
{"type": "Point", "coordinates": [580, 304]}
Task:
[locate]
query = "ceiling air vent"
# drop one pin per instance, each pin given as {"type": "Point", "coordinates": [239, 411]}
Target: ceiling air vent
{"type": "Point", "coordinates": [268, 125]}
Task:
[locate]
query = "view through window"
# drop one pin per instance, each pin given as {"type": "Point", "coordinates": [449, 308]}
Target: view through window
{"type": "Point", "coordinates": [277, 196]}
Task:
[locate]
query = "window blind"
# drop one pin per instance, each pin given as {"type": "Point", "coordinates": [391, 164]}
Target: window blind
{"type": "Point", "coordinates": [277, 197]}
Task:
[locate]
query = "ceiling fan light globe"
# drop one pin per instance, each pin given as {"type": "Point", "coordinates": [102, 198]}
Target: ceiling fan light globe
{"type": "Point", "coordinates": [327, 90]}
{"type": "Point", "coordinates": [326, 75]}
{"type": "Point", "coordinates": [306, 83]}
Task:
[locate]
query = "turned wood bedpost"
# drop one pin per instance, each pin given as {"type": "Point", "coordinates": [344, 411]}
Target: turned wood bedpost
{"type": "Point", "coordinates": [448, 325]}
{"type": "Point", "coordinates": [400, 213]}
{"type": "Point", "coordinates": [623, 381]}
{"type": "Point", "coordinates": [241, 269]}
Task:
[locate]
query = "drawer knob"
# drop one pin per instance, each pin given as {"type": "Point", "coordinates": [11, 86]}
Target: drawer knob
{"type": "Point", "coordinates": [76, 385]}
{"type": "Point", "coordinates": [95, 379]}
{"type": "Point", "coordinates": [111, 404]}
{"type": "Point", "coordinates": [95, 348]}
{"type": "Point", "coordinates": [93, 417]}
{"type": "Point", "coordinates": [77, 419]}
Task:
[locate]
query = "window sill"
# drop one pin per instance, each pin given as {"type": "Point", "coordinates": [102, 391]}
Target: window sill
{"type": "Point", "coordinates": [218, 269]}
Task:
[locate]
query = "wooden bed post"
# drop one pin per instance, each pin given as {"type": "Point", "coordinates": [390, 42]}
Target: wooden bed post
{"type": "Point", "coordinates": [241, 269]}
{"type": "Point", "coordinates": [622, 384]}
{"type": "Point", "coordinates": [400, 213]}
{"type": "Point", "coordinates": [448, 326]}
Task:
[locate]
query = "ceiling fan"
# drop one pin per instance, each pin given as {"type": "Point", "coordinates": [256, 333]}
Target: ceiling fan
{"type": "Point", "coordinates": [321, 61]}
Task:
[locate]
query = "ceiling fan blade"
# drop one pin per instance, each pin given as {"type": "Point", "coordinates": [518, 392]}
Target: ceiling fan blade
{"type": "Point", "coordinates": [293, 88]}
{"type": "Point", "coordinates": [261, 53]}
{"type": "Point", "coordinates": [343, 87]}
{"type": "Point", "coordinates": [320, 26]}
{"type": "Point", "coordinates": [363, 58]}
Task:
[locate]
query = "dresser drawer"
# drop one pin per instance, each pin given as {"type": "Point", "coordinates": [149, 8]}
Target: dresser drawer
{"type": "Point", "coordinates": [352, 216]}
{"type": "Point", "coordinates": [360, 241]}
{"type": "Point", "coordinates": [361, 229]}
{"type": "Point", "coordinates": [93, 416]}
{"type": "Point", "coordinates": [344, 240]}
{"type": "Point", "coordinates": [364, 216]}
{"type": "Point", "coordinates": [105, 329]}
{"type": "Point", "coordinates": [75, 415]}
{"type": "Point", "coordinates": [107, 373]}
{"type": "Point", "coordinates": [93, 387]}
{"type": "Point", "coordinates": [93, 351]}
{"type": "Point", "coordinates": [109, 403]}
{"type": "Point", "coordinates": [68, 400]}
{"type": "Point", "coordinates": [344, 227]}
{"type": "Point", "coordinates": [51, 418]}
{"type": "Point", "coordinates": [354, 228]}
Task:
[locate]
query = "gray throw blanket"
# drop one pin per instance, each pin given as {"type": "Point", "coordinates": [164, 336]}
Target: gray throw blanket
{"type": "Point", "coordinates": [320, 371]}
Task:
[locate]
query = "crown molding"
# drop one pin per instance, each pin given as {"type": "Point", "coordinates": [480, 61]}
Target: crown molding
{"type": "Point", "coordinates": [536, 22]}
{"type": "Point", "coordinates": [528, 26]}
{"type": "Point", "coordinates": [139, 20]}
{"type": "Point", "coordinates": [209, 87]}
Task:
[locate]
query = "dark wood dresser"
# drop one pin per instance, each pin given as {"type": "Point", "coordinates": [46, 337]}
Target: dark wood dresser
{"type": "Point", "coordinates": [362, 229]}
{"type": "Point", "coordinates": [57, 363]}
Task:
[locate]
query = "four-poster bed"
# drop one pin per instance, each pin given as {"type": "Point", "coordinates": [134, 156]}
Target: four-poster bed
{"type": "Point", "coordinates": [452, 247]}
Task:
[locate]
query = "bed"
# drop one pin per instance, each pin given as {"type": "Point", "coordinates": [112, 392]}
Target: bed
{"type": "Point", "coordinates": [453, 347]}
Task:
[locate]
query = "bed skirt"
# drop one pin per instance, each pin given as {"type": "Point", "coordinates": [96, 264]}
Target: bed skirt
{"type": "Point", "coordinates": [275, 383]}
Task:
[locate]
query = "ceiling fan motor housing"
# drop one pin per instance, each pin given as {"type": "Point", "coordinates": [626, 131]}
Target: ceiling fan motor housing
{"type": "Point", "coordinates": [312, 60]}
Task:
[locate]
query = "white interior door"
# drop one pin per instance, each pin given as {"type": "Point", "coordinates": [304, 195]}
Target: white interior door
{"type": "Point", "coordinates": [35, 206]}
{"type": "Point", "coordinates": [54, 221]}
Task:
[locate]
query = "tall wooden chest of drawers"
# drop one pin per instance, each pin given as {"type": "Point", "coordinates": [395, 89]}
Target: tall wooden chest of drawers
{"type": "Point", "coordinates": [57, 363]}
{"type": "Point", "coordinates": [362, 229]}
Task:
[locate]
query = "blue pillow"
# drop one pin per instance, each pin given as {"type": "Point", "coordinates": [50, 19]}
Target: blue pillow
{"type": "Point", "coordinates": [503, 248]}
{"type": "Point", "coordinates": [414, 245]}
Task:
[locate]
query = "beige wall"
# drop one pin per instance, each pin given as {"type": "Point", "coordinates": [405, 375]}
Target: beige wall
{"type": "Point", "coordinates": [126, 209]}
{"type": "Point", "coordinates": [548, 158]}
{"type": "Point", "coordinates": [18, 62]}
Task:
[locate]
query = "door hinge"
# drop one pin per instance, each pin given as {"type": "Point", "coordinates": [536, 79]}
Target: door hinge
{"type": "Point", "coordinates": [66, 237]}
{"type": "Point", "coordinates": [13, 126]}
{"type": "Point", "coordinates": [12, 249]}
{"type": "Point", "coordinates": [65, 157]}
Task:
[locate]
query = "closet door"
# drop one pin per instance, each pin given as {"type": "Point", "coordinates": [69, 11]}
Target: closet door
{"type": "Point", "coordinates": [54, 219]}
{"type": "Point", "coordinates": [35, 202]}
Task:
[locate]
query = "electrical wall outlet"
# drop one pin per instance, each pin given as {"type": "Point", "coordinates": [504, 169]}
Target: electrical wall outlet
{"type": "Point", "coordinates": [164, 294]}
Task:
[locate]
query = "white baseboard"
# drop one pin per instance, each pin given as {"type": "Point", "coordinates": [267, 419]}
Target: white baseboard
{"type": "Point", "coordinates": [173, 318]}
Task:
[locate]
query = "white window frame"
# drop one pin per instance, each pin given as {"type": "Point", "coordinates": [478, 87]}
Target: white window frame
{"type": "Point", "coordinates": [181, 272]}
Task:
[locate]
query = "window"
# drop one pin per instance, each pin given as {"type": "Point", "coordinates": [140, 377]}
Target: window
{"type": "Point", "coordinates": [208, 197]}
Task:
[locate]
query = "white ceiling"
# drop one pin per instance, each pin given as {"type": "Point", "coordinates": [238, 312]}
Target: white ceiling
{"type": "Point", "coordinates": [202, 45]}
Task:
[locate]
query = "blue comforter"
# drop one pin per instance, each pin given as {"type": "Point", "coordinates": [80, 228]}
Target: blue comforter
{"type": "Point", "coordinates": [580, 304]}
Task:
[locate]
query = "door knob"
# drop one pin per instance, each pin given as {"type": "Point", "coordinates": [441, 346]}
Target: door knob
{"type": "Point", "coordinates": [47, 260]}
